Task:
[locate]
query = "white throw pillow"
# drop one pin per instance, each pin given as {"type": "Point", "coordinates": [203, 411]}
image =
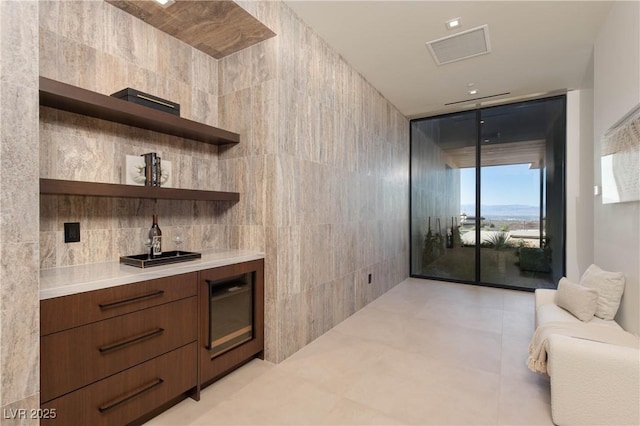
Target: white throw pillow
{"type": "Point", "coordinates": [609, 285]}
{"type": "Point", "coordinates": [581, 301]}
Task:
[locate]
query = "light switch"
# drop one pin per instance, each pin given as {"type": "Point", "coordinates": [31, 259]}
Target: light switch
{"type": "Point", "coordinates": [72, 232]}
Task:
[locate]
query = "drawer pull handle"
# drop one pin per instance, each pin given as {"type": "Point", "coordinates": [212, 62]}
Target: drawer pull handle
{"type": "Point", "coordinates": [131, 395]}
{"type": "Point", "coordinates": [136, 339]}
{"type": "Point", "coordinates": [130, 300]}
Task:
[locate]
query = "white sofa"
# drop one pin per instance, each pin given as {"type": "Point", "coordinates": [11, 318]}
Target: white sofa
{"type": "Point", "coordinates": [592, 383]}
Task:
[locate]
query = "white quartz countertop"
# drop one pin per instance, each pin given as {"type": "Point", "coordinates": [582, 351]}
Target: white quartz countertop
{"type": "Point", "coordinates": [68, 280]}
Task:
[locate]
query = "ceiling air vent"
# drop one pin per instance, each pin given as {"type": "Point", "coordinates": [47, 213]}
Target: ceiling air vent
{"type": "Point", "coordinates": [457, 47]}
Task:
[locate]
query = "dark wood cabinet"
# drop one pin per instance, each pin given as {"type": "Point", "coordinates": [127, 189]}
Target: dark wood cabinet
{"type": "Point", "coordinates": [95, 351]}
{"type": "Point", "coordinates": [213, 366]}
{"type": "Point", "coordinates": [127, 396]}
{"type": "Point", "coordinates": [111, 356]}
{"type": "Point", "coordinates": [121, 355]}
{"type": "Point", "coordinates": [65, 312]}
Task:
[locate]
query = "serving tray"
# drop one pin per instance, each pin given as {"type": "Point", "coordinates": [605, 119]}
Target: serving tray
{"type": "Point", "coordinates": [144, 261]}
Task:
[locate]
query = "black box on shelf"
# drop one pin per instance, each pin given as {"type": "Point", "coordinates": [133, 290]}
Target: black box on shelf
{"type": "Point", "coordinates": [138, 97]}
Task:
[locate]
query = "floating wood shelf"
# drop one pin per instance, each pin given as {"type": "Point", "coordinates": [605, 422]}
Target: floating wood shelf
{"type": "Point", "coordinates": [70, 187]}
{"type": "Point", "coordinates": [70, 98]}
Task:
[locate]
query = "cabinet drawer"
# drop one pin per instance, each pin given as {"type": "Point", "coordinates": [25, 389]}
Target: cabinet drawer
{"type": "Point", "coordinates": [74, 358]}
{"type": "Point", "coordinates": [127, 396]}
{"type": "Point", "coordinates": [65, 312]}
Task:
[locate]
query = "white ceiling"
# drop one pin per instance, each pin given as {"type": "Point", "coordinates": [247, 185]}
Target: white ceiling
{"type": "Point", "coordinates": [536, 47]}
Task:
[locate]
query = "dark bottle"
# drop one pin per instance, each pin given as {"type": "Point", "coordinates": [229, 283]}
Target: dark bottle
{"type": "Point", "coordinates": [155, 235]}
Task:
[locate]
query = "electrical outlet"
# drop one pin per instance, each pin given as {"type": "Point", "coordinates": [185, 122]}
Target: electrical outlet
{"type": "Point", "coordinates": [72, 232]}
{"type": "Point", "coordinates": [370, 278]}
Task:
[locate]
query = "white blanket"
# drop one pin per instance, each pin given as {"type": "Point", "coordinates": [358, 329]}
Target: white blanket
{"type": "Point", "coordinates": [583, 330]}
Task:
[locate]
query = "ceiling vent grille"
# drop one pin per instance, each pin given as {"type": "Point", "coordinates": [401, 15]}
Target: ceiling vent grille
{"type": "Point", "coordinates": [457, 47]}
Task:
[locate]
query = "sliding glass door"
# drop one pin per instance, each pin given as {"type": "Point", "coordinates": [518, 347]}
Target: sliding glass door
{"type": "Point", "coordinates": [487, 195]}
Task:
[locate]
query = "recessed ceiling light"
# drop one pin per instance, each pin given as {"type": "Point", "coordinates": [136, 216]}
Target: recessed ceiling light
{"type": "Point", "coordinates": [481, 121]}
{"type": "Point", "coordinates": [473, 92]}
{"type": "Point", "coordinates": [165, 3]}
{"type": "Point", "coordinates": [451, 24]}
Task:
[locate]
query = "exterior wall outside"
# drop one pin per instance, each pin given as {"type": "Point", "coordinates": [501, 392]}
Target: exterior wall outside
{"type": "Point", "coordinates": [19, 282]}
{"type": "Point", "coordinates": [616, 92]}
{"type": "Point", "coordinates": [435, 192]}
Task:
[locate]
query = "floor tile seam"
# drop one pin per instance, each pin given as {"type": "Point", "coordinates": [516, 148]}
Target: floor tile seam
{"type": "Point", "coordinates": [501, 372]}
{"type": "Point", "coordinates": [502, 366]}
{"type": "Point", "coordinates": [466, 303]}
{"type": "Point", "coordinates": [326, 387]}
{"type": "Point", "coordinates": [374, 409]}
{"type": "Point", "coordinates": [461, 304]}
{"type": "Point", "coordinates": [441, 362]}
{"type": "Point", "coordinates": [217, 401]}
{"type": "Point", "coordinates": [370, 340]}
{"type": "Point", "coordinates": [411, 349]}
{"type": "Point", "coordinates": [370, 308]}
{"type": "Point", "coordinates": [453, 323]}
{"type": "Point", "coordinates": [318, 386]}
{"type": "Point", "coordinates": [449, 327]}
{"type": "Point", "coordinates": [519, 384]}
{"type": "Point", "coordinates": [382, 305]}
{"type": "Point", "coordinates": [421, 318]}
{"type": "Point", "coordinates": [518, 334]}
{"type": "Point", "coordinates": [403, 419]}
{"type": "Point", "coordinates": [364, 339]}
{"type": "Point", "coordinates": [227, 396]}
{"type": "Point", "coordinates": [520, 306]}
{"type": "Point", "coordinates": [212, 410]}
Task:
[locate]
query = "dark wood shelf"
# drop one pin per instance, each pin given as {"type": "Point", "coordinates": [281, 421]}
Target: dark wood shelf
{"type": "Point", "coordinates": [71, 187]}
{"type": "Point", "coordinates": [74, 99]}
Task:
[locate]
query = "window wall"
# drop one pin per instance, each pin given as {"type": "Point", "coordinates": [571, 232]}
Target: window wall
{"type": "Point", "coordinates": [487, 195]}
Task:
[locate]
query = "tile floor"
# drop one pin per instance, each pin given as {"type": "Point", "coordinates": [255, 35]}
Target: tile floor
{"type": "Point", "coordinates": [426, 352]}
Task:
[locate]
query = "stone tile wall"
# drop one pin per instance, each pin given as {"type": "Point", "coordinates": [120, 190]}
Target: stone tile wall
{"type": "Point", "coordinates": [19, 301]}
{"type": "Point", "coordinates": [98, 47]}
{"type": "Point", "coordinates": [322, 167]}
{"type": "Point", "coordinates": [336, 155]}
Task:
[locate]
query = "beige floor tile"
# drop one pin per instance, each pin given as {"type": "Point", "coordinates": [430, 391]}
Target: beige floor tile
{"type": "Point", "coordinates": [519, 301]}
{"type": "Point", "coordinates": [377, 326]}
{"type": "Point", "coordinates": [276, 398]}
{"type": "Point", "coordinates": [456, 346]}
{"type": "Point", "coordinates": [525, 403]}
{"type": "Point", "coordinates": [348, 412]}
{"type": "Point", "coordinates": [514, 356]}
{"type": "Point", "coordinates": [334, 361]}
{"type": "Point", "coordinates": [418, 390]}
{"type": "Point", "coordinates": [405, 302]}
{"type": "Point", "coordinates": [518, 323]}
{"type": "Point", "coordinates": [187, 411]}
{"type": "Point", "coordinates": [426, 352]}
{"type": "Point", "coordinates": [464, 294]}
{"type": "Point", "coordinates": [476, 317]}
